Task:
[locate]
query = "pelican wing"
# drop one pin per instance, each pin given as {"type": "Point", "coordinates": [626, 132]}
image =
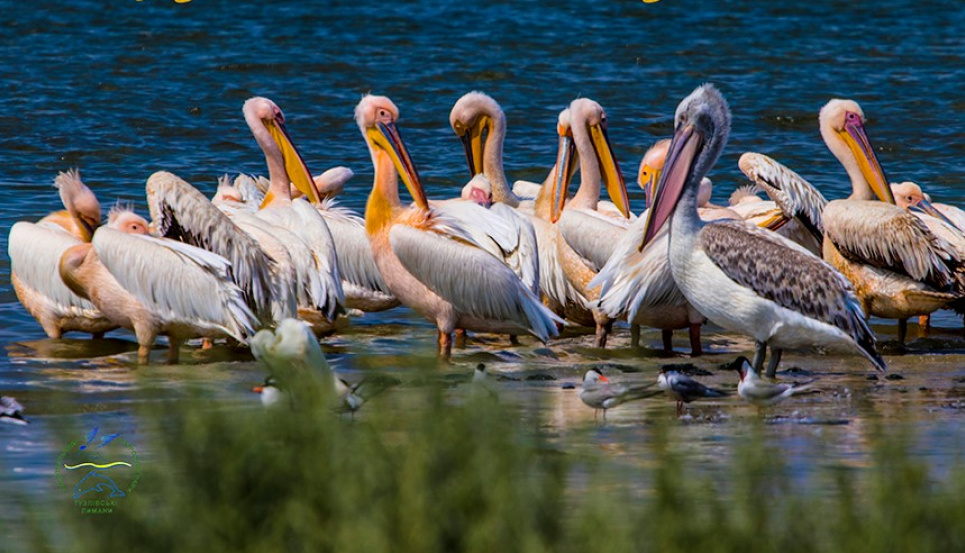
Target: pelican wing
{"type": "Point", "coordinates": [181, 212]}
{"type": "Point", "coordinates": [796, 197]}
{"type": "Point", "coordinates": [250, 193]}
{"type": "Point", "coordinates": [35, 251]}
{"type": "Point", "coordinates": [356, 263]}
{"type": "Point", "coordinates": [552, 280]}
{"type": "Point", "coordinates": [633, 280]}
{"type": "Point", "coordinates": [591, 234]}
{"type": "Point", "coordinates": [527, 190]}
{"type": "Point", "coordinates": [888, 237]}
{"type": "Point", "coordinates": [524, 260]}
{"type": "Point", "coordinates": [785, 273]}
{"type": "Point", "coordinates": [487, 229]}
{"type": "Point", "coordinates": [468, 277]}
{"type": "Point", "coordinates": [176, 281]}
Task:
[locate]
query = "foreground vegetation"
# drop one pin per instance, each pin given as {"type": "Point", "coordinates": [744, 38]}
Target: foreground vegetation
{"type": "Point", "coordinates": [439, 475]}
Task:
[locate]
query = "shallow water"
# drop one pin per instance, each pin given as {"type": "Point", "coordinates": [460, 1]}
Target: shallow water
{"type": "Point", "coordinates": [122, 89]}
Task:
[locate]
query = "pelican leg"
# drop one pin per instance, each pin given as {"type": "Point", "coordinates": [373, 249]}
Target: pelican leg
{"type": "Point", "coordinates": [145, 339]}
{"type": "Point", "coordinates": [143, 354]}
{"type": "Point", "coordinates": [174, 350]}
{"type": "Point", "coordinates": [634, 336]}
{"type": "Point", "coordinates": [680, 408]}
{"type": "Point", "coordinates": [514, 339]}
{"type": "Point", "coordinates": [667, 336]}
{"type": "Point", "coordinates": [461, 337]}
{"type": "Point", "coordinates": [760, 352]}
{"type": "Point", "coordinates": [97, 335]}
{"type": "Point", "coordinates": [902, 330]}
{"type": "Point", "coordinates": [445, 345]}
{"type": "Point", "coordinates": [774, 362]}
{"type": "Point", "coordinates": [924, 325]}
{"type": "Point", "coordinates": [695, 348]}
{"type": "Point", "coordinates": [207, 343]}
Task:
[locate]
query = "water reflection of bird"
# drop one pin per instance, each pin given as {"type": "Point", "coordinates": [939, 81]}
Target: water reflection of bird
{"type": "Point", "coordinates": [741, 277]}
{"type": "Point", "coordinates": [753, 389]}
{"type": "Point", "coordinates": [11, 411]}
{"type": "Point", "coordinates": [683, 388]}
{"type": "Point", "coordinates": [599, 393]}
{"type": "Point", "coordinates": [429, 262]}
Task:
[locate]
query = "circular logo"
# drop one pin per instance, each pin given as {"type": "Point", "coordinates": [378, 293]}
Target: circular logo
{"type": "Point", "coordinates": [99, 472]}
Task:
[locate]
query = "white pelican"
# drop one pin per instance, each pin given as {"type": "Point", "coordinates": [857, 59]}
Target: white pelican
{"type": "Point", "coordinates": [589, 236]}
{"type": "Point", "coordinates": [909, 195]}
{"type": "Point", "coordinates": [637, 284]}
{"type": "Point", "coordinates": [35, 250]}
{"type": "Point", "coordinates": [899, 268]}
{"type": "Point", "coordinates": [350, 255]}
{"type": "Point", "coordinates": [739, 276]}
{"type": "Point", "coordinates": [157, 286]}
{"type": "Point", "coordinates": [431, 265]}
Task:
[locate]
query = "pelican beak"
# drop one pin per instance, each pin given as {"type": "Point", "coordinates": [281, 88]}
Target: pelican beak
{"type": "Point", "coordinates": [472, 142]}
{"type": "Point", "coordinates": [297, 170]}
{"type": "Point", "coordinates": [684, 147]}
{"type": "Point", "coordinates": [926, 207]}
{"type": "Point", "coordinates": [564, 173]}
{"type": "Point", "coordinates": [855, 137]}
{"type": "Point", "coordinates": [648, 181]}
{"type": "Point", "coordinates": [775, 221]}
{"type": "Point", "coordinates": [387, 138]}
{"type": "Point", "coordinates": [616, 187]}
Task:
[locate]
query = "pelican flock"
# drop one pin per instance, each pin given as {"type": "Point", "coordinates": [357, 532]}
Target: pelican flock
{"type": "Point", "coordinates": [794, 271]}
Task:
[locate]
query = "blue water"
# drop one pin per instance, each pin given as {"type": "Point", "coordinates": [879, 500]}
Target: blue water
{"type": "Point", "coordinates": [120, 89]}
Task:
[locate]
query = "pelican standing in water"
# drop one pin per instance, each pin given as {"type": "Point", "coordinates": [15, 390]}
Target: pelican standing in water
{"type": "Point", "coordinates": [898, 267]}
{"type": "Point", "coordinates": [157, 286]}
{"type": "Point", "coordinates": [741, 277]}
{"type": "Point", "coordinates": [35, 250]}
{"type": "Point", "coordinates": [431, 265]}
{"type": "Point", "coordinates": [589, 235]}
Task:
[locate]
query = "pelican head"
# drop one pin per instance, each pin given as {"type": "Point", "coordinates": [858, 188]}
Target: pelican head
{"type": "Point", "coordinates": [478, 190]}
{"type": "Point", "coordinates": [909, 195]}
{"type": "Point", "coordinates": [263, 114]}
{"type": "Point", "coordinates": [589, 119]}
{"type": "Point", "coordinates": [123, 218]}
{"type": "Point", "coordinates": [471, 116]}
{"type": "Point", "coordinates": [650, 167]}
{"type": "Point", "coordinates": [842, 127]}
{"type": "Point", "coordinates": [564, 164]}
{"type": "Point", "coordinates": [80, 202]}
{"type": "Point", "coordinates": [376, 117]}
{"type": "Point", "coordinates": [702, 126]}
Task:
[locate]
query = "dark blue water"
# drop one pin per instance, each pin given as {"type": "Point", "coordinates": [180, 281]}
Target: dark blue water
{"type": "Point", "coordinates": [121, 89]}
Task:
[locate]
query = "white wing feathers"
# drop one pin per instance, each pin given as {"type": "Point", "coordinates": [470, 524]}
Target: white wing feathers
{"type": "Point", "coordinates": [35, 251]}
{"type": "Point", "coordinates": [592, 235]}
{"type": "Point", "coordinates": [177, 281]}
{"type": "Point", "coordinates": [356, 263]}
{"type": "Point", "coordinates": [476, 284]}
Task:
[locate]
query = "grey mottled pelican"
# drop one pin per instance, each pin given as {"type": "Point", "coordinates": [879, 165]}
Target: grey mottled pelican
{"type": "Point", "coordinates": [157, 286]}
{"type": "Point", "coordinates": [35, 250]}
{"type": "Point", "coordinates": [898, 267]}
{"type": "Point", "coordinates": [741, 277]}
{"type": "Point", "coordinates": [428, 262]}
{"type": "Point", "coordinates": [589, 235]}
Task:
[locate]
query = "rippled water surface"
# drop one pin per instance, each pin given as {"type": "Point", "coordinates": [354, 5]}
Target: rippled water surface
{"type": "Point", "coordinates": [121, 89]}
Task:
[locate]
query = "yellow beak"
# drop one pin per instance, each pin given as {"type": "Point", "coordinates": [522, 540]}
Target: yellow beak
{"type": "Point", "coordinates": [616, 187]}
{"type": "Point", "coordinates": [855, 137]}
{"type": "Point", "coordinates": [386, 137]}
{"type": "Point", "coordinates": [294, 164]}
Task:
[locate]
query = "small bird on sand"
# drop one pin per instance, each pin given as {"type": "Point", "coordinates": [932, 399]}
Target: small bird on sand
{"type": "Point", "coordinates": [599, 393]}
{"type": "Point", "coordinates": [754, 389]}
{"type": "Point", "coordinates": [683, 388]}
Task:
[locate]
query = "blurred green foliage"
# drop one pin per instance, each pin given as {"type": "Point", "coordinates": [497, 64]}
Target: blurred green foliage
{"type": "Point", "coordinates": [435, 475]}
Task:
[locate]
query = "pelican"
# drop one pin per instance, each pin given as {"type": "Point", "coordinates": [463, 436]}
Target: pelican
{"type": "Point", "coordinates": [35, 250]}
{"type": "Point", "coordinates": [741, 277]}
{"type": "Point", "coordinates": [345, 252]}
{"type": "Point", "coordinates": [637, 284]}
{"type": "Point", "coordinates": [898, 267]}
{"type": "Point", "coordinates": [589, 235]}
{"type": "Point", "coordinates": [156, 286]}
{"type": "Point", "coordinates": [431, 265]}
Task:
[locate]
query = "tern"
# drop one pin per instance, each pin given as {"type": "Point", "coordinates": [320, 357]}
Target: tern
{"type": "Point", "coordinates": [683, 388]}
{"type": "Point", "coordinates": [599, 393]}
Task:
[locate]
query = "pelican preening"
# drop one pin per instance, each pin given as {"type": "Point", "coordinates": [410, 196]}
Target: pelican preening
{"type": "Point", "coordinates": [741, 277]}
{"type": "Point", "coordinates": [35, 251]}
{"type": "Point", "coordinates": [428, 262]}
